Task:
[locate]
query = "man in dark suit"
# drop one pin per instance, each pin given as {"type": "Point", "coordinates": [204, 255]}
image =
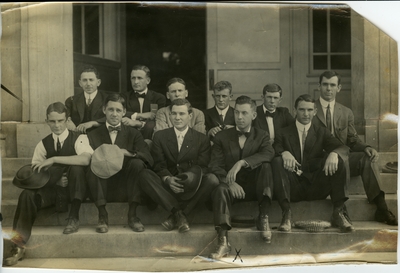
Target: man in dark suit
{"type": "Point", "coordinates": [142, 103]}
{"type": "Point", "coordinates": [310, 166]}
{"type": "Point", "coordinates": [124, 185]}
{"type": "Point", "coordinates": [220, 116]}
{"type": "Point", "coordinates": [270, 117]}
{"type": "Point", "coordinates": [86, 108]}
{"type": "Point", "coordinates": [240, 159]}
{"type": "Point", "coordinates": [175, 150]}
{"type": "Point", "coordinates": [363, 159]}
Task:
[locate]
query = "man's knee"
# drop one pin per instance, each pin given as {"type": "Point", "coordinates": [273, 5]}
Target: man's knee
{"type": "Point", "coordinates": [135, 164]}
{"type": "Point", "coordinates": [147, 177]}
{"type": "Point", "coordinates": [210, 179]}
{"type": "Point", "coordinates": [277, 162]}
{"type": "Point", "coordinates": [76, 171]}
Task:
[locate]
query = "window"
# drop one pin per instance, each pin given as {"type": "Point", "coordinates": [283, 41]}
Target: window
{"type": "Point", "coordinates": [331, 39]}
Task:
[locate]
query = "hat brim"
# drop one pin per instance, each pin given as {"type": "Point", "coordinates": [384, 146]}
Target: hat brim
{"type": "Point", "coordinates": [35, 181]}
{"type": "Point", "coordinates": [198, 175]}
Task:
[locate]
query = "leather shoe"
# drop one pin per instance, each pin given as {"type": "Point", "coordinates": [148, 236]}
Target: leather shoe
{"type": "Point", "coordinates": [263, 225]}
{"type": "Point", "coordinates": [102, 226]}
{"type": "Point", "coordinates": [222, 250]}
{"type": "Point", "coordinates": [286, 224]}
{"type": "Point", "coordinates": [386, 216]}
{"type": "Point", "coordinates": [170, 223]}
{"type": "Point", "coordinates": [18, 253]}
{"type": "Point", "coordinates": [72, 226]}
{"type": "Point", "coordinates": [181, 222]}
{"type": "Point", "coordinates": [339, 220]}
{"type": "Point", "coordinates": [135, 224]}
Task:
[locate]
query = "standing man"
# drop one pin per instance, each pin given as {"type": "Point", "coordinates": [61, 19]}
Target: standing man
{"type": "Point", "coordinates": [177, 90]}
{"type": "Point", "coordinates": [86, 108]}
{"type": "Point", "coordinates": [310, 166]}
{"type": "Point", "coordinates": [363, 159]}
{"type": "Point", "coordinates": [270, 117]}
{"type": "Point", "coordinates": [123, 186]}
{"type": "Point", "coordinates": [142, 103]}
{"type": "Point", "coordinates": [175, 150]}
{"type": "Point", "coordinates": [59, 153]}
{"type": "Point", "coordinates": [240, 159]}
{"type": "Point", "coordinates": [220, 116]}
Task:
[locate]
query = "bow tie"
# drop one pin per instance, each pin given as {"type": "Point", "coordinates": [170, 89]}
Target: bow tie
{"type": "Point", "coordinates": [112, 128]}
{"type": "Point", "coordinates": [240, 133]}
{"type": "Point", "coordinates": [269, 114]}
{"type": "Point", "coordinates": [140, 95]}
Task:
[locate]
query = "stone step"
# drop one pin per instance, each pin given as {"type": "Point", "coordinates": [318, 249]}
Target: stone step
{"type": "Point", "coordinates": [358, 207]}
{"type": "Point", "coordinates": [121, 241]}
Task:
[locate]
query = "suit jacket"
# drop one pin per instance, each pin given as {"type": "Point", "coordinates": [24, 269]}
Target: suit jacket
{"type": "Point", "coordinates": [132, 102]}
{"type": "Point", "coordinates": [281, 119]}
{"type": "Point", "coordinates": [128, 138]}
{"type": "Point", "coordinates": [169, 161]}
{"type": "Point", "coordinates": [343, 124]}
{"type": "Point", "coordinates": [212, 118]}
{"type": "Point", "coordinates": [226, 151]}
{"type": "Point", "coordinates": [163, 121]}
{"type": "Point", "coordinates": [319, 143]}
{"type": "Point", "coordinates": [76, 106]}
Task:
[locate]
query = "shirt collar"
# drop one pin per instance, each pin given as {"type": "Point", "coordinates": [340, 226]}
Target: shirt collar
{"type": "Point", "coordinates": [183, 133]}
{"type": "Point", "coordinates": [222, 112]}
{"type": "Point", "coordinates": [265, 109]}
{"type": "Point", "coordinates": [143, 92]}
{"type": "Point", "coordinates": [108, 125]}
{"type": "Point", "coordinates": [62, 136]}
{"type": "Point", "coordinates": [91, 95]}
{"type": "Point", "coordinates": [300, 127]}
{"type": "Point", "coordinates": [325, 103]}
{"type": "Point", "coordinates": [248, 130]}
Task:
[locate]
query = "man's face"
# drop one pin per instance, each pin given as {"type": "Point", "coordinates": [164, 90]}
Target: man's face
{"type": "Point", "coordinates": [139, 80]}
{"type": "Point", "coordinates": [176, 91]}
{"type": "Point", "coordinates": [329, 88]}
{"type": "Point", "coordinates": [89, 82]}
{"type": "Point", "coordinates": [222, 98]}
{"type": "Point", "coordinates": [244, 115]}
{"type": "Point", "coordinates": [271, 100]}
{"type": "Point", "coordinates": [114, 112]}
{"type": "Point", "coordinates": [180, 117]}
{"type": "Point", "coordinates": [305, 111]}
{"type": "Point", "coordinates": [57, 122]}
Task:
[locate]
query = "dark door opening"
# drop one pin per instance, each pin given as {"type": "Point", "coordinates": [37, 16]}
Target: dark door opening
{"type": "Point", "coordinates": [171, 40]}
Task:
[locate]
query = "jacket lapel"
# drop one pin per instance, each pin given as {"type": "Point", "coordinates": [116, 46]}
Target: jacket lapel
{"type": "Point", "coordinates": [234, 146]}
{"type": "Point", "coordinates": [337, 115]}
{"type": "Point", "coordinates": [147, 100]}
{"type": "Point", "coordinates": [320, 112]}
{"type": "Point", "coordinates": [310, 140]}
{"type": "Point", "coordinates": [81, 104]}
{"type": "Point", "coordinates": [105, 135]}
{"type": "Point", "coordinates": [248, 145]}
{"type": "Point", "coordinates": [186, 145]}
{"type": "Point", "coordinates": [172, 143]}
{"type": "Point", "coordinates": [133, 102]}
{"type": "Point", "coordinates": [215, 116]}
{"type": "Point", "coordinates": [97, 104]}
{"type": "Point", "coordinates": [294, 142]}
{"type": "Point", "coordinates": [121, 139]}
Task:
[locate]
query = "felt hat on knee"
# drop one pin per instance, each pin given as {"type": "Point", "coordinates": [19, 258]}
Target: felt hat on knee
{"type": "Point", "coordinates": [26, 178]}
{"type": "Point", "coordinates": [107, 160]}
{"type": "Point", "coordinates": [191, 180]}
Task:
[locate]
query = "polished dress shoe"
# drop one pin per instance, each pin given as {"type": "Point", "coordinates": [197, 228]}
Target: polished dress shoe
{"type": "Point", "coordinates": [339, 220]}
{"type": "Point", "coordinates": [18, 254]}
{"type": "Point", "coordinates": [262, 224]}
{"type": "Point", "coordinates": [102, 226]}
{"type": "Point", "coordinates": [286, 223]}
{"type": "Point", "coordinates": [222, 250]}
{"type": "Point", "coordinates": [181, 222]}
{"type": "Point", "coordinates": [135, 224]}
{"type": "Point", "coordinates": [72, 226]}
{"type": "Point", "coordinates": [170, 223]}
{"type": "Point", "coordinates": [385, 216]}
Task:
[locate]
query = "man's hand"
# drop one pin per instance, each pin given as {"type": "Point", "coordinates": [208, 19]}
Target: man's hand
{"type": "Point", "coordinates": [231, 176]}
{"type": "Point", "coordinates": [228, 127]}
{"type": "Point", "coordinates": [289, 162]}
{"type": "Point", "coordinates": [331, 164]}
{"type": "Point", "coordinates": [372, 153]}
{"type": "Point", "coordinates": [127, 153]}
{"type": "Point", "coordinates": [146, 116]}
{"type": "Point", "coordinates": [44, 165]}
{"type": "Point", "coordinates": [175, 186]}
{"type": "Point", "coordinates": [87, 125]}
{"type": "Point", "coordinates": [237, 191]}
{"type": "Point", "coordinates": [214, 131]}
{"type": "Point", "coordinates": [133, 123]}
{"type": "Point", "coordinates": [63, 182]}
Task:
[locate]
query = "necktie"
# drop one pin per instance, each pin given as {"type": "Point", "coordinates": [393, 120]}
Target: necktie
{"type": "Point", "coordinates": [303, 142]}
{"type": "Point", "coordinates": [58, 145]}
{"type": "Point", "coordinates": [328, 118]}
{"type": "Point", "coordinates": [269, 114]}
{"type": "Point", "coordinates": [140, 95]}
{"type": "Point", "coordinates": [89, 101]}
{"type": "Point", "coordinates": [221, 118]}
{"type": "Point", "coordinates": [112, 128]}
{"type": "Point", "coordinates": [180, 141]}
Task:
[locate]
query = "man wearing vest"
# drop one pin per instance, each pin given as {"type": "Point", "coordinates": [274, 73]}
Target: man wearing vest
{"type": "Point", "coordinates": [63, 156]}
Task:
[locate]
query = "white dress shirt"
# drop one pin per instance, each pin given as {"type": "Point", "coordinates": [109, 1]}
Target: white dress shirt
{"type": "Point", "coordinates": [113, 134]}
{"type": "Point", "coordinates": [90, 96]}
{"type": "Point", "coordinates": [141, 101]}
{"type": "Point", "coordinates": [300, 130]}
{"type": "Point", "coordinates": [222, 112]}
{"type": "Point", "coordinates": [180, 136]}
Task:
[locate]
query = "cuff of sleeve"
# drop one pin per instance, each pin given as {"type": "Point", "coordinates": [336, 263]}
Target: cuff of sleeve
{"type": "Point", "coordinates": [134, 115]}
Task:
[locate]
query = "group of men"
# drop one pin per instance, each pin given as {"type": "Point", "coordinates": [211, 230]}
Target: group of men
{"type": "Point", "coordinates": [237, 153]}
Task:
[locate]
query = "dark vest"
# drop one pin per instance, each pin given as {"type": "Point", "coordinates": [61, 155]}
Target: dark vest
{"type": "Point", "coordinates": [67, 149]}
{"type": "Point", "coordinates": [88, 113]}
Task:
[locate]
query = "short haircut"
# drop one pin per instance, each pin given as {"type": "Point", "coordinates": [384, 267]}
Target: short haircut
{"type": "Point", "coordinates": [116, 98]}
{"type": "Point", "coordinates": [176, 80]}
{"type": "Point", "coordinates": [329, 74]}
{"type": "Point", "coordinates": [246, 100]}
{"type": "Point", "coordinates": [272, 87]}
{"type": "Point", "coordinates": [304, 97]}
{"type": "Point", "coordinates": [142, 67]}
{"type": "Point", "coordinates": [179, 102]}
{"type": "Point", "coordinates": [90, 68]}
{"type": "Point", "coordinates": [219, 86]}
{"type": "Point", "coordinates": [57, 107]}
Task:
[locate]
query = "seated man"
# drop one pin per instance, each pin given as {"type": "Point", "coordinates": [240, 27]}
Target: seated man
{"type": "Point", "coordinates": [240, 159]}
{"type": "Point", "coordinates": [363, 159]}
{"type": "Point", "coordinates": [177, 90]}
{"type": "Point", "coordinates": [175, 150]}
{"type": "Point", "coordinates": [86, 108]}
{"type": "Point", "coordinates": [62, 155]}
{"type": "Point", "coordinates": [220, 116]}
{"type": "Point", "coordinates": [123, 186]}
{"type": "Point", "coordinates": [310, 166]}
{"type": "Point", "coordinates": [270, 117]}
